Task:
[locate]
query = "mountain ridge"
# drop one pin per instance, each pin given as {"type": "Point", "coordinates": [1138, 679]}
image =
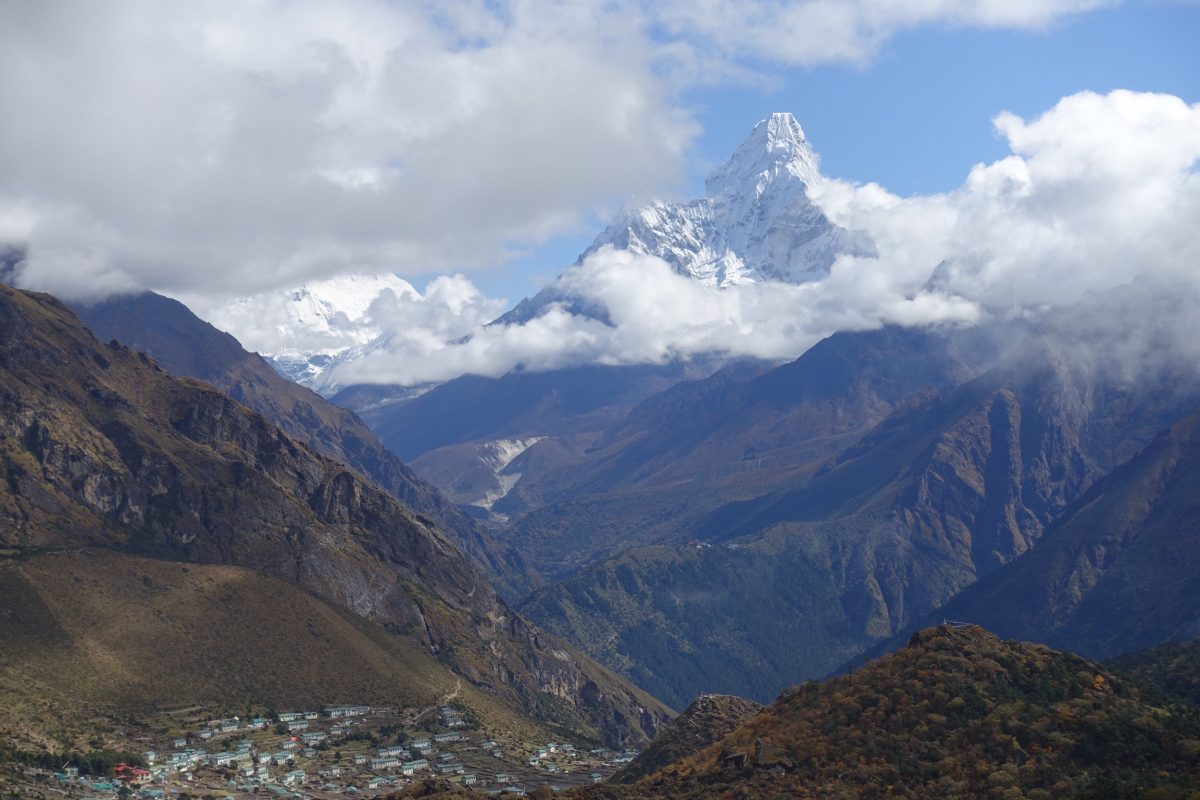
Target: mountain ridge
{"type": "Point", "coordinates": [187, 346]}
{"type": "Point", "coordinates": [1126, 545]}
{"type": "Point", "coordinates": [859, 545]}
{"type": "Point", "coordinates": [103, 448]}
{"type": "Point", "coordinates": [956, 713]}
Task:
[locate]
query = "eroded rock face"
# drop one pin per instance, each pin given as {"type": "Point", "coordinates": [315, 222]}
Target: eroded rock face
{"type": "Point", "coordinates": [100, 447]}
{"type": "Point", "coordinates": [188, 347]}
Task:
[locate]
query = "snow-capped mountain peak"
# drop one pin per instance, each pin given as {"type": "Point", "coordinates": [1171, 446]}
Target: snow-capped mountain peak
{"type": "Point", "coordinates": [755, 223]}
{"type": "Point", "coordinates": [775, 147]}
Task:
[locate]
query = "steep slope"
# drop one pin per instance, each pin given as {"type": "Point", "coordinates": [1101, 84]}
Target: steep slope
{"type": "Point", "coordinates": [749, 619]}
{"type": "Point", "coordinates": [736, 435]}
{"type": "Point", "coordinates": [956, 714]}
{"type": "Point", "coordinates": [100, 447]}
{"type": "Point", "coordinates": [1120, 570]}
{"type": "Point", "coordinates": [98, 632]}
{"type": "Point", "coordinates": [710, 718]}
{"type": "Point", "coordinates": [854, 550]}
{"type": "Point", "coordinates": [186, 346]}
{"type": "Point", "coordinates": [478, 438]}
{"type": "Point", "coordinates": [980, 470]}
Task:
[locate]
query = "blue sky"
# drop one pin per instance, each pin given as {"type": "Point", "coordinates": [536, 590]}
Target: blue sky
{"type": "Point", "coordinates": [919, 115]}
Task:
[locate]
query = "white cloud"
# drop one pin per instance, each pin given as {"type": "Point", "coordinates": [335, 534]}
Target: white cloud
{"type": "Point", "coordinates": [656, 315]}
{"type": "Point", "coordinates": [234, 146]}
{"type": "Point", "coordinates": [231, 146]}
{"type": "Point", "coordinates": [1099, 191]}
{"type": "Point", "coordinates": [823, 31]}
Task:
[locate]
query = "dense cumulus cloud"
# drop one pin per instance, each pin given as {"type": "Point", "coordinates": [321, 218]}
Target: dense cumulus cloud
{"type": "Point", "coordinates": [1098, 192]}
{"type": "Point", "coordinates": [224, 147]}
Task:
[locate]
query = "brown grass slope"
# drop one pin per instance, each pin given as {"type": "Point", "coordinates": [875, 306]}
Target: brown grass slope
{"type": "Point", "coordinates": [958, 713]}
{"type": "Point", "coordinates": [97, 632]}
{"type": "Point", "coordinates": [98, 446]}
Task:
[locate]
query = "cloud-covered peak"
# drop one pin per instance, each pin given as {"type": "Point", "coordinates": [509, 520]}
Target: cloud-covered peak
{"type": "Point", "coordinates": [1098, 192]}
{"type": "Point", "coordinates": [775, 148]}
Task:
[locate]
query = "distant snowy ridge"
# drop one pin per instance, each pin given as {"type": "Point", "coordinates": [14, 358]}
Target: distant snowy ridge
{"type": "Point", "coordinates": [302, 330]}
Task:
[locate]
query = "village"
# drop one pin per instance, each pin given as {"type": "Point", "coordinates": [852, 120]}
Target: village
{"type": "Point", "coordinates": [340, 751]}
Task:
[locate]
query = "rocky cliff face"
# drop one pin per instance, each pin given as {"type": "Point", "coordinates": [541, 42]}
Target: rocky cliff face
{"type": "Point", "coordinates": [1117, 570]}
{"type": "Point", "coordinates": [186, 346]}
{"type": "Point", "coordinates": [99, 446]}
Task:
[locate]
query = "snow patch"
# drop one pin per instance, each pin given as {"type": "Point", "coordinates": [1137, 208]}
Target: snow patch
{"type": "Point", "coordinates": [497, 455]}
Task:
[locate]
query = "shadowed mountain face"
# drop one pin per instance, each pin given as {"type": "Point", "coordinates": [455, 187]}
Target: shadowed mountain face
{"type": "Point", "coordinates": [955, 714]}
{"type": "Point", "coordinates": [474, 408]}
{"type": "Point", "coordinates": [681, 455]}
{"type": "Point", "coordinates": [1120, 570]}
{"type": "Point", "coordinates": [186, 346]}
{"type": "Point", "coordinates": [748, 594]}
{"type": "Point", "coordinates": [100, 447]}
{"type": "Point", "coordinates": [477, 439]}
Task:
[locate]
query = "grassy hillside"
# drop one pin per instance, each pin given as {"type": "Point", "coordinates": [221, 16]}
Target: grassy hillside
{"type": "Point", "coordinates": [96, 632]}
{"type": "Point", "coordinates": [710, 718]}
{"type": "Point", "coordinates": [956, 714]}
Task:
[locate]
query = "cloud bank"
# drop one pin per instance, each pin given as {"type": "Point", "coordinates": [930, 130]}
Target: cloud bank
{"type": "Point", "coordinates": [224, 147]}
{"type": "Point", "coordinates": [1098, 192]}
